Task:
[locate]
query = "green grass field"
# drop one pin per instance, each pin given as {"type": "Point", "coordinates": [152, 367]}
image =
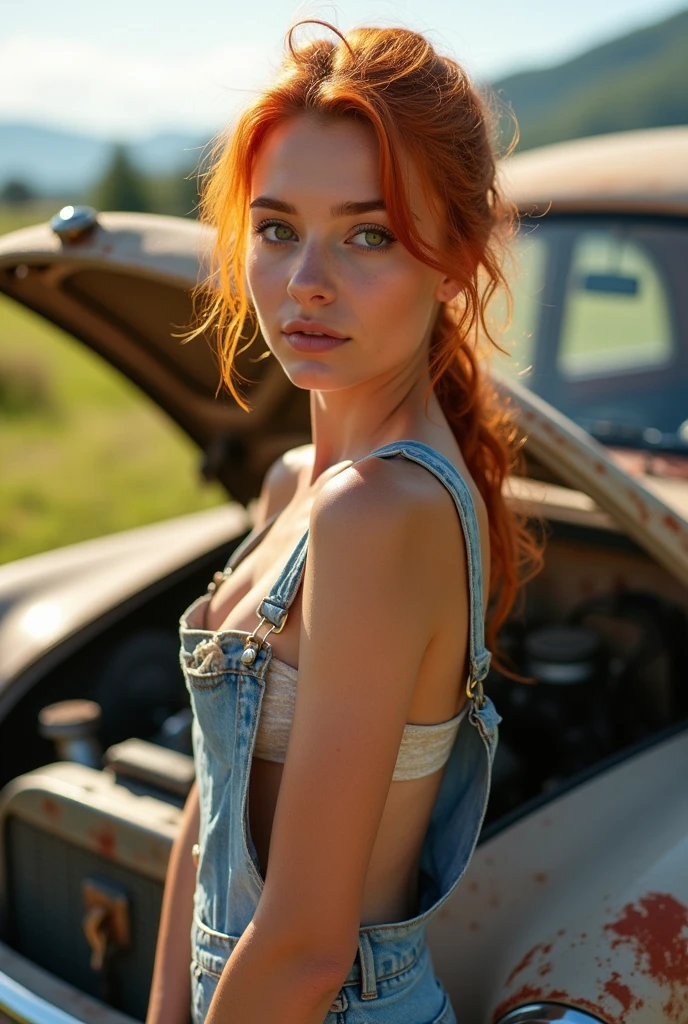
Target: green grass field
{"type": "Point", "coordinates": [14, 217]}
{"type": "Point", "coordinates": [82, 451]}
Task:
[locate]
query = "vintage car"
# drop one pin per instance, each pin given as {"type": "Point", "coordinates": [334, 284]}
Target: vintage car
{"type": "Point", "coordinates": [575, 906]}
{"type": "Point", "coordinates": [601, 308]}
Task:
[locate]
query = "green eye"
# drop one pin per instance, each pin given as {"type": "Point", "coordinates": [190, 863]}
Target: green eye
{"type": "Point", "coordinates": [283, 232]}
{"type": "Point", "coordinates": [373, 238]}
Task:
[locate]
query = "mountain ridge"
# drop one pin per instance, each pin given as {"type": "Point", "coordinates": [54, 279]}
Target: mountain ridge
{"type": "Point", "coordinates": [637, 80]}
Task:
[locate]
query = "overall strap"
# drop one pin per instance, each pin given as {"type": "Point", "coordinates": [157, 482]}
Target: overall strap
{"type": "Point", "coordinates": [275, 607]}
{"type": "Point", "coordinates": [445, 472]}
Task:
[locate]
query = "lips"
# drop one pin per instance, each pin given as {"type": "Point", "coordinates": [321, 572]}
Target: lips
{"type": "Point", "coordinates": [312, 327]}
{"type": "Point", "coordinates": [312, 336]}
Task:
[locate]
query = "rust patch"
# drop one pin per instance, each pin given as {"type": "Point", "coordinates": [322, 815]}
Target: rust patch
{"type": "Point", "coordinates": [51, 809]}
{"type": "Point", "coordinates": [656, 927]}
{"type": "Point", "coordinates": [600, 468]}
{"type": "Point", "coordinates": [540, 877]}
{"type": "Point", "coordinates": [672, 524]}
{"type": "Point", "coordinates": [526, 994]}
{"type": "Point", "coordinates": [105, 840]}
{"type": "Point", "coordinates": [622, 993]}
{"type": "Point", "coordinates": [473, 886]}
{"type": "Point", "coordinates": [543, 949]}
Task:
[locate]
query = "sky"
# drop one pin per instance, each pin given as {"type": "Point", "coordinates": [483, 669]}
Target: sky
{"type": "Point", "coordinates": [130, 69]}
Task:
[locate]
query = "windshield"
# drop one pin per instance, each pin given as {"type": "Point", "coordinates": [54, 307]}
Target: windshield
{"type": "Point", "coordinates": [600, 325]}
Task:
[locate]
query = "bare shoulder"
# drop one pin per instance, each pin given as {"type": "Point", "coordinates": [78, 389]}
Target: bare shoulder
{"type": "Point", "coordinates": [383, 497]}
{"type": "Point", "coordinates": [281, 480]}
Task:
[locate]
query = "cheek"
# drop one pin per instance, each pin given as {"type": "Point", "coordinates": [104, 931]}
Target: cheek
{"type": "Point", "coordinates": [397, 294]}
{"type": "Point", "coordinates": [259, 277]}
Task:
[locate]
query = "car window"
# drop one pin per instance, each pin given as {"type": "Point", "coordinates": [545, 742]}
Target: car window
{"type": "Point", "coordinates": [616, 311]}
{"type": "Point", "coordinates": [526, 268]}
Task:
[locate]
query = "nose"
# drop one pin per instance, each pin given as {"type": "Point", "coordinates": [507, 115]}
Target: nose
{"type": "Point", "coordinates": [310, 280]}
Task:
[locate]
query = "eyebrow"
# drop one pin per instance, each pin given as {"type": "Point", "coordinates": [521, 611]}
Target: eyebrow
{"type": "Point", "coordinates": [348, 209]}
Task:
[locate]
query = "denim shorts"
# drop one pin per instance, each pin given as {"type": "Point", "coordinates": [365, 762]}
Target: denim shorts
{"type": "Point", "coordinates": [407, 993]}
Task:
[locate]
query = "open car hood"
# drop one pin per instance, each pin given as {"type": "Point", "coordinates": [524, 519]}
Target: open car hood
{"type": "Point", "coordinates": [124, 291]}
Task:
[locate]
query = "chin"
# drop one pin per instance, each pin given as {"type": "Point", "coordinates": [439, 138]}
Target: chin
{"type": "Point", "coordinates": [312, 375]}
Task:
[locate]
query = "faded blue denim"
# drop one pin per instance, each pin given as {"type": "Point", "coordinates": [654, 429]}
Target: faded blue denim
{"type": "Point", "coordinates": [392, 980]}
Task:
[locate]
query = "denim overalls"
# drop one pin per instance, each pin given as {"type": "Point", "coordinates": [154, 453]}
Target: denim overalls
{"type": "Point", "coordinates": [391, 980]}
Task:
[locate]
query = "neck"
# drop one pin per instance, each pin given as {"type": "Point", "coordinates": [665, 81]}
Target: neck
{"type": "Point", "coordinates": [349, 423]}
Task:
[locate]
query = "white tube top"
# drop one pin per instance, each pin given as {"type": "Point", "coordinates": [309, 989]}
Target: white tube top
{"type": "Point", "coordinates": [423, 748]}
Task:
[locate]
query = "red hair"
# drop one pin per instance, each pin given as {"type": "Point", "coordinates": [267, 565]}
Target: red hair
{"type": "Point", "coordinates": [421, 106]}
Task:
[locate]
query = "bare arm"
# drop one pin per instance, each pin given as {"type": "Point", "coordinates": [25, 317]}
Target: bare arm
{"type": "Point", "coordinates": [170, 997]}
{"type": "Point", "coordinates": [361, 647]}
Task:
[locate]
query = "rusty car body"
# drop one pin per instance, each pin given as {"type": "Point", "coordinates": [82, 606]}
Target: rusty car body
{"type": "Point", "coordinates": [575, 906]}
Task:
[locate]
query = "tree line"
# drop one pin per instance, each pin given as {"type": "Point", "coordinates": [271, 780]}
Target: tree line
{"type": "Point", "coordinates": [124, 186]}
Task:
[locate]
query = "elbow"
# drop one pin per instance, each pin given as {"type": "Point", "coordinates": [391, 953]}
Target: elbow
{"type": "Point", "coordinates": [321, 961]}
{"type": "Point", "coordinates": [333, 964]}
{"type": "Point", "coordinates": [321, 973]}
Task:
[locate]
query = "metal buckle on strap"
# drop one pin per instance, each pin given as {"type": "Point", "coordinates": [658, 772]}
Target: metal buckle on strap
{"type": "Point", "coordinates": [475, 692]}
{"type": "Point", "coordinates": [253, 642]}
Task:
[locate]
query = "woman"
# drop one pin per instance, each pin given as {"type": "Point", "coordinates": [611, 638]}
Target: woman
{"type": "Point", "coordinates": [359, 226]}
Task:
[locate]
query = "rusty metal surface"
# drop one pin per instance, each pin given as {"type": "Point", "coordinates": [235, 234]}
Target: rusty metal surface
{"type": "Point", "coordinates": [171, 248]}
{"type": "Point", "coordinates": [574, 457]}
{"type": "Point", "coordinates": [584, 902]}
{"type": "Point", "coordinates": [89, 809]}
{"type": "Point", "coordinates": [644, 170]}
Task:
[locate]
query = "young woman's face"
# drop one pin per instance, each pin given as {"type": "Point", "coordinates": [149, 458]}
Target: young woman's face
{"type": "Point", "coordinates": [339, 300]}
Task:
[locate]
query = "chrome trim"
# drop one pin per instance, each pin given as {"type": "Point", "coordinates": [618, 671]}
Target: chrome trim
{"type": "Point", "coordinates": [544, 1013]}
{"type": "Point", "coordinates": [72, 223]}
{"type": "Point", "coordinates": [22, 1005]}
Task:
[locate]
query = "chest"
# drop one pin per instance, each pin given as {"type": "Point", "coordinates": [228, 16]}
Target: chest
{"type": "Point", "coordinates": [234, 603]}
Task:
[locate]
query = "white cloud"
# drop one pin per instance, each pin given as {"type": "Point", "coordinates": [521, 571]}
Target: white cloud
{"type": "Point", "coordinates": [82, 85]}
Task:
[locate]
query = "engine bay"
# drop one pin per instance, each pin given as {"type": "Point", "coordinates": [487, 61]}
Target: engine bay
{"type": "Point", "coordinates": [592, 665]}
{"type": "Point", "coordinates": [594, 662]}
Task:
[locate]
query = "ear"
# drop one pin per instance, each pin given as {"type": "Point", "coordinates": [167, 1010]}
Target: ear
{"type": "Point", "coordinates": [447, 289]}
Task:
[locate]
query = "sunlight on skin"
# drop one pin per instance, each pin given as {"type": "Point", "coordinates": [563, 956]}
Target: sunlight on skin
{"type": "Point", "coordinates": [344, 270]}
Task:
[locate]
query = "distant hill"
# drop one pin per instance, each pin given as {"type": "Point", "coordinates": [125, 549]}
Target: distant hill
{"type": "Point", "coordinates": [639, 80]}
{"type": "Point", "coordinates": [64, 163]}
